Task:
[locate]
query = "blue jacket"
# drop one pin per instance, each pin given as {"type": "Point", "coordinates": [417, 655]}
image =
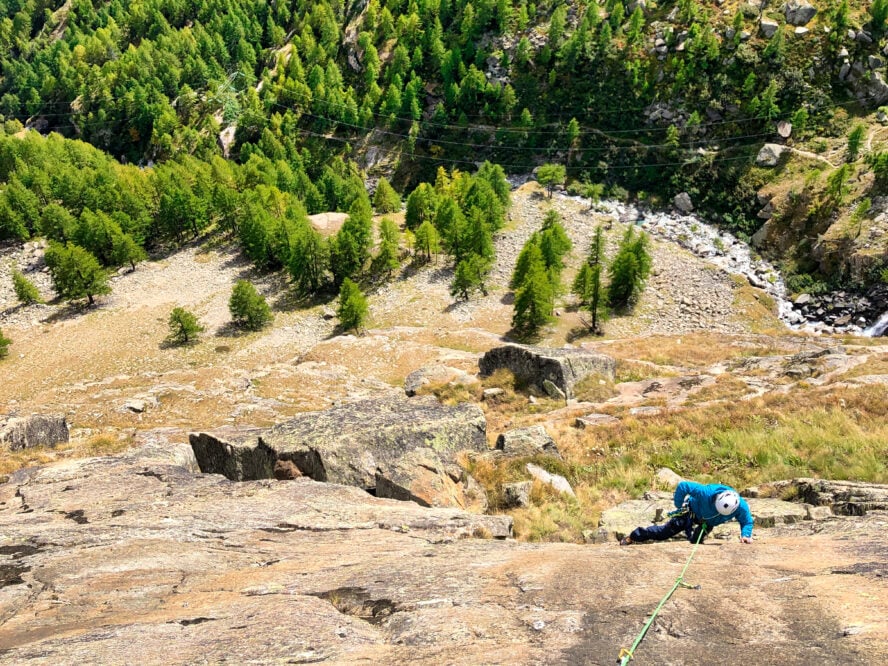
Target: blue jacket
{"type": "Point", "coordinates": [702, 503]}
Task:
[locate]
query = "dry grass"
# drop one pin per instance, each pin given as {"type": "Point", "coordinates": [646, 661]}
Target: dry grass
{"type": "Point", "coordinates": [726, 387]}
{"type": "Point", "coordinates": [838, 434]}
{"type": "Point", "coordinates": [694, 350]}
{"type": "Point", "coordinates": [875, 365]}
{"type": "Point", "coordinates": [97, 445]}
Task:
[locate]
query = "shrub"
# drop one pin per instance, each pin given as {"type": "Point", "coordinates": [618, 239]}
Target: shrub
{"type": "Point", "coordinates": [352, 306]}
{"type": "Point", "coordinates": [184, 326]}
{"type": "Point", "coordinates": [25, 290]}
{"type": "Point", "coordinates": [248, 307]}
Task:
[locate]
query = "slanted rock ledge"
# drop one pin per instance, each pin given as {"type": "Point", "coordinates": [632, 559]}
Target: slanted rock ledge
{"type": "Point", "coordinates": [394, 447]}
{"type": "Point", "coordinates": [137, 559]}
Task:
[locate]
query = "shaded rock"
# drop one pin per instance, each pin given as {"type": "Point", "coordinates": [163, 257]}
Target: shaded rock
{"type": "Point", "coordinates": [557, 481]}
{"type": "Point", "coordinates": [534, 365]}
{"type": "Point", "coordinates": [784, 128]}
{"type": "Point", "coordinates": [592, 420]}
{"type": "Point", "coordinates": [421, 476]}
{"type": "Point", "coordinates": [769, 155]}
{"type": "Point", "coordinates": [799, 12]}
{"type": "Point", "coordinates": [23, 432]}
{"type": "Point", "coordinates": [682, 202]}
{"type": "Point", "coordinates": [530, 441]}
{"type": "Point", "coordinates": [553, 391]}
{"type": "Point", "coordinates": [517, 494]}
{"type": "Point", "coordinates": [392, 447]}
{"type": "Point", "coordinates": [286, 470]}
{"type": "Point", "coordinates": [234, 452]}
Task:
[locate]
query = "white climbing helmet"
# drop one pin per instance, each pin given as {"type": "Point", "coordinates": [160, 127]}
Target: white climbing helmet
{"type": "Point", "coordinates": [726, 502]}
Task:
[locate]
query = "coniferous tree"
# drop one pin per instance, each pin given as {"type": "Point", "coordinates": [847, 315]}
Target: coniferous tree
{"type": "Point", "coordinates": [588, 285]}
{"type": "Point", "coordinates": [629, 269]}
{"type": "Point", "coordinates": [25, 291]}
{"type": "Point", "coordinates": [470, 275]}
{"type": "Point", "coordinates": [550, 175]}
{"type": "Point", "coordinates": [554, 242]}
{"type": "Point", "coordinates": [353, 309]}
{"type": "Point", "coordinates": [522, 265]}
{"type": "Point", "coordinates": [309, 259]}
{"type": "Point", "coordinates": [184, 326]}
{"type": "Point", "coordinates": [75, 272]}
{"type": "Point", "coordinates": [248, 307]}
{"type": "Point", "coordinates": [386, 200]}
{"type": "Point", "coordinates": [350, 248]}
{"type": "Point", "coordinates": [388, 257]}
{"type": "Point", "coordinates": [534, 297]}
{"type": "Point", "coordinates": [427, 241]}
{"type": "Point", "coordinates": [421, 205]}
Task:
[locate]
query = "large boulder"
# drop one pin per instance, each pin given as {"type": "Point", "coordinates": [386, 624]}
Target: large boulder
{"type": "Point", "coordinates": [534, 365]}
{"type": "Point", "coordinates": [682, 201]}
{"type": "Point", "coordinates": [799, 12]}
{"type": "Point", "coordinates": [23, 432]}
{"type": "Point", "coordinates": [392, 447]}
{"type": "Point", "coordinates": [769, 155]}
{"type": "Point", "coordinates": [530, 441]}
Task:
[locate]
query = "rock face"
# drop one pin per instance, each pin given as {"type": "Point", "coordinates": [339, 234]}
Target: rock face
{"type": "Point", "coordinates": [36, 430]}
{"type": "Point", "coordinates": [530, 441]}
{"type": "Point", "coordinates": [799, 12]}
{"type": "Point", "coordinates": [534, 365]}
{"type": "Point", "coordinates": [844, 498]}
{"type": "Point", "coordinates": [396, 448]}
{"type": "Point", "coordinates": [137, 559]}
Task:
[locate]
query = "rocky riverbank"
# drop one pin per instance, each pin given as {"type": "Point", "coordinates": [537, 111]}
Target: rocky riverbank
{"type": "Point", "coordinates": [837, 312]}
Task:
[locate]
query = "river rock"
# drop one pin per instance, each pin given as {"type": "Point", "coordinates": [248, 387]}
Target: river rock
{"type": "Point", "coordinates": [799, 12]}
{"type": "Point", "coordinates": [370, 444]}
{"type": "Point", "coordinates": [769, 155]}
{"type": "Point", "coordinates": [682, 202]}
{"type": "Point", "coordinates": [534, 365]}
{"type": "Point", "coordinates": [24, 432]}
{"type": "Point", "coordinates": [530, 441]}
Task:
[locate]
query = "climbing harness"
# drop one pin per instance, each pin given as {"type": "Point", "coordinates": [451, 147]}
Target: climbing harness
{"type": "Point", "coordinates": [626, 655]}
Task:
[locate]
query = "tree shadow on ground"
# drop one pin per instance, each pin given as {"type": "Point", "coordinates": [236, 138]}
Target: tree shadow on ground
{"type": "Point", "coordinates": [71, 310]}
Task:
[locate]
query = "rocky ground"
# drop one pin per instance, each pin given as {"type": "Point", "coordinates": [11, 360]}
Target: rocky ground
{"type": "Point", "coordinates": [100, 557]}
{"type": "Point", "coordinates": [91, 363]}
{"type": "Point", "coordinates": [103, 559]}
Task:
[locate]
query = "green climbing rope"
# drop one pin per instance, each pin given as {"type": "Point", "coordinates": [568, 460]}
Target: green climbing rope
{"type": "Point", "coordinates": [627, 655]}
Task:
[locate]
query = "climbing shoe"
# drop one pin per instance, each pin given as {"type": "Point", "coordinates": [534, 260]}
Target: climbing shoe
{"type": "Point", "coordinates": [625, 541]}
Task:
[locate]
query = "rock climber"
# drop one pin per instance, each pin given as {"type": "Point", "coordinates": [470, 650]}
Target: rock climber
{"type": "Point", "coordinates": [699, 508]}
